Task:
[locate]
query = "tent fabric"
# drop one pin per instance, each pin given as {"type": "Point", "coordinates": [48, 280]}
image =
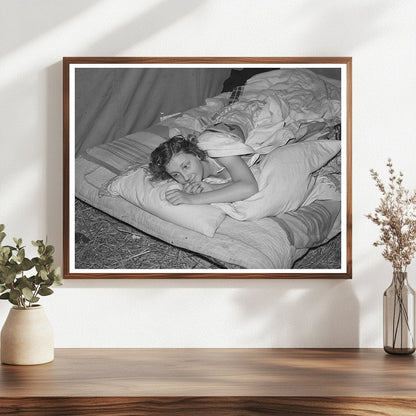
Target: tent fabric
{"type": "Point", "coordinates": [113, 102]}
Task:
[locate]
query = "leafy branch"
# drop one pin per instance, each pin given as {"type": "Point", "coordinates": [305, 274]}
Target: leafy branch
{"type": "Point", "coordinates": [15, 285]}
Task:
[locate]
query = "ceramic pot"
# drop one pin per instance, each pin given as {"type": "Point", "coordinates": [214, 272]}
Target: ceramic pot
{"type": "Point", "coordinates": [27, 337]}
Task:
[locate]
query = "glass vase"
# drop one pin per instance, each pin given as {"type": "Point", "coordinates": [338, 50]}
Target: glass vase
{"type": "Point", "coordinates": [399, 316]}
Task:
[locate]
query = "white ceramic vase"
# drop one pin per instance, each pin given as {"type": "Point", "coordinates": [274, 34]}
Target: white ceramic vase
{"type": "Point", "coordinates": [27, 337]}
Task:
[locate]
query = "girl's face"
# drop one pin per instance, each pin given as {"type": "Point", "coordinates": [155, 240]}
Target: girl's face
{"type": "Point", "coordinates": [185, 168]}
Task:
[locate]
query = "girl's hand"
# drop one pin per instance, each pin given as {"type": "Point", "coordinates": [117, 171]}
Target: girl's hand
{"type": "Point", "coordinates": [206, 187]}
{"type": "Point", "coordinates": [177, 197]}
{"type": "Point", "coordinates": [193, 188]}
{"type": "Point", "coordinates": [197, 187]}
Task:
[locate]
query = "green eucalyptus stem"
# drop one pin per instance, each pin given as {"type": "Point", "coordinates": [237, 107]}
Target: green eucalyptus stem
{"type": "Point", "coordinates": [17, 285]}
{"type": "Point", "coordinates": [35, 293]}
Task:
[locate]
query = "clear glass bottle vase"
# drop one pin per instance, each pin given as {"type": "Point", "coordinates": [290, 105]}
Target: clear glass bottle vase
{"type": "Point", "coordinates": [399, 316]}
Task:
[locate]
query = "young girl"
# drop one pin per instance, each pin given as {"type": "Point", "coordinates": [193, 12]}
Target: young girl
{"type": "Point", "coordinates": [182, 160]}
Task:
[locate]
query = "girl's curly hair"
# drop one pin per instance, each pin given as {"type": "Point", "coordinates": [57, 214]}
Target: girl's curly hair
{"type": "Point", "coordinates": [161, 156]}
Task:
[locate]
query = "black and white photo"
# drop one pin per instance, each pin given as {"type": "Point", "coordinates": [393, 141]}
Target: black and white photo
{"type": "Point", "coordinates": [207, 167]}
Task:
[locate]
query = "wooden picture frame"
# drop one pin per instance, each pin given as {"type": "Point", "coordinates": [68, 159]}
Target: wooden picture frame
{"type": "Point", "coordinates": [73, 112]}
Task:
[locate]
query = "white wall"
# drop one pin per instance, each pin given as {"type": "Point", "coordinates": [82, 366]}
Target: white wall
{"type": "Point", "coordinates": [380, 35]}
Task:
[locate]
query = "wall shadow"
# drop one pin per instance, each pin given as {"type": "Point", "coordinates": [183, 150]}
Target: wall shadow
{"type": "Point", "coordinates": [337, 18]}
{"type": "Point", "coordinates": [39, 16]}
{"type": "Point", "coordinates": [54, 169]}
{"type": "Point", "coordinates": [157, 17]}
{"type": "Point", "coordinates": [161, 15]}
{"type": "Point", "coordinates": [301, 313]}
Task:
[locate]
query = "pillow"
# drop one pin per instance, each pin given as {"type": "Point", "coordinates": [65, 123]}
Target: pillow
{"type": "Point", "coordinates": [123, 152]}
{"type": "Point", "coordinates": [285, 179]}
{"type": "Point", "coordinates": [136, 187]}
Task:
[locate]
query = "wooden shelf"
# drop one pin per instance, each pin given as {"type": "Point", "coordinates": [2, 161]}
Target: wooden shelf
{"type": "Point", "coordinates": [212, 382]}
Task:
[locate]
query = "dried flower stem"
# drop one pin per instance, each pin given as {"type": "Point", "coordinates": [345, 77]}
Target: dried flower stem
{"type": "Point", "coordinates": [396, 216]}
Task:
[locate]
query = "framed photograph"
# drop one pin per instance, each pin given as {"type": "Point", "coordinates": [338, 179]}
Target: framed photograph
{"type": "Point", "coordinates": [231, 168]}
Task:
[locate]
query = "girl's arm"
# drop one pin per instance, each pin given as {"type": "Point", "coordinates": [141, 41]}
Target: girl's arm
{"type": "Point", "coordinates": [242, 185]}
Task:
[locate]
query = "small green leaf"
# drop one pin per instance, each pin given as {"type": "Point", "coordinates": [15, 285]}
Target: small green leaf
{"type": "Point", "coordinates": [37, 280]}
{"type": "Point", "coordinates": [45, 291]}
{"type": "Point", "coordinates": [26, 264]}
{"type": "Point", "coordinates": [24, 282]}
{"type": "Point", "coordinates": [8, 277]}
{"type": "Point", "coordinates": [5, 254]}
{"type": "Point", "coordinates": [15, 294]}
{"type": "Point", "coordinates": [49, 250]}
{"type": "Point", "coordinates": [2, 236]}
{"type": "Point", "coordinates": [2, 227]}
{"type": "Point", "coordinates": [5, 250]}
{"type": "Point", "coordinates": [47, 260]}
{"type": "Point", "coordinates": [57, 276]}
{"type": "Point", "coordinates": [32, 279]}
{"type": "Point", "coordinates": [27, 293]}
{"type": "Point", "coordinates": [18, 242]}
{"type": "Point", "coordinates": [43, 274]}
{"type": "Point", "coordinates": [3, 259]}
{"type": "Point", "coordinates": [2, 288]}
{"type": "Point", "coordinates": [6, 296]}
{"type": "Point", "coordinates": [21, 254]}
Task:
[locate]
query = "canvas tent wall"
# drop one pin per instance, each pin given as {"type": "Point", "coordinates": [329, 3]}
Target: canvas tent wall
{"type": "Point", "coordinates": [113, 102]}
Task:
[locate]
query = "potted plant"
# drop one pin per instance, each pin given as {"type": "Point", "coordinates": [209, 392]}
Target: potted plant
{"type": "Point", "coordinates": [396, 217]}
{"type": "Point", "coordinates": [26, 336]}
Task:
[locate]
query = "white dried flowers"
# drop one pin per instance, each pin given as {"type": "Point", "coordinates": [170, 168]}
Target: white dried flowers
{"type": "Point", "coordinates": [396, 216]}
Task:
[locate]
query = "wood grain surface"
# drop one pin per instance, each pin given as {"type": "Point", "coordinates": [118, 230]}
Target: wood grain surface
{"type": "Point", "coordinates": [212, 382]}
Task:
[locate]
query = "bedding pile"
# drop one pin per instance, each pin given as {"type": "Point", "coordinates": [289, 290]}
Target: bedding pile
{"type": "Point", "coordinates": [290, 118]}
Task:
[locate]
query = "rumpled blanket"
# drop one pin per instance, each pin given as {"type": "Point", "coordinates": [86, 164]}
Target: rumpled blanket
{"type": "Point", "coordinates": [274, 108]}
